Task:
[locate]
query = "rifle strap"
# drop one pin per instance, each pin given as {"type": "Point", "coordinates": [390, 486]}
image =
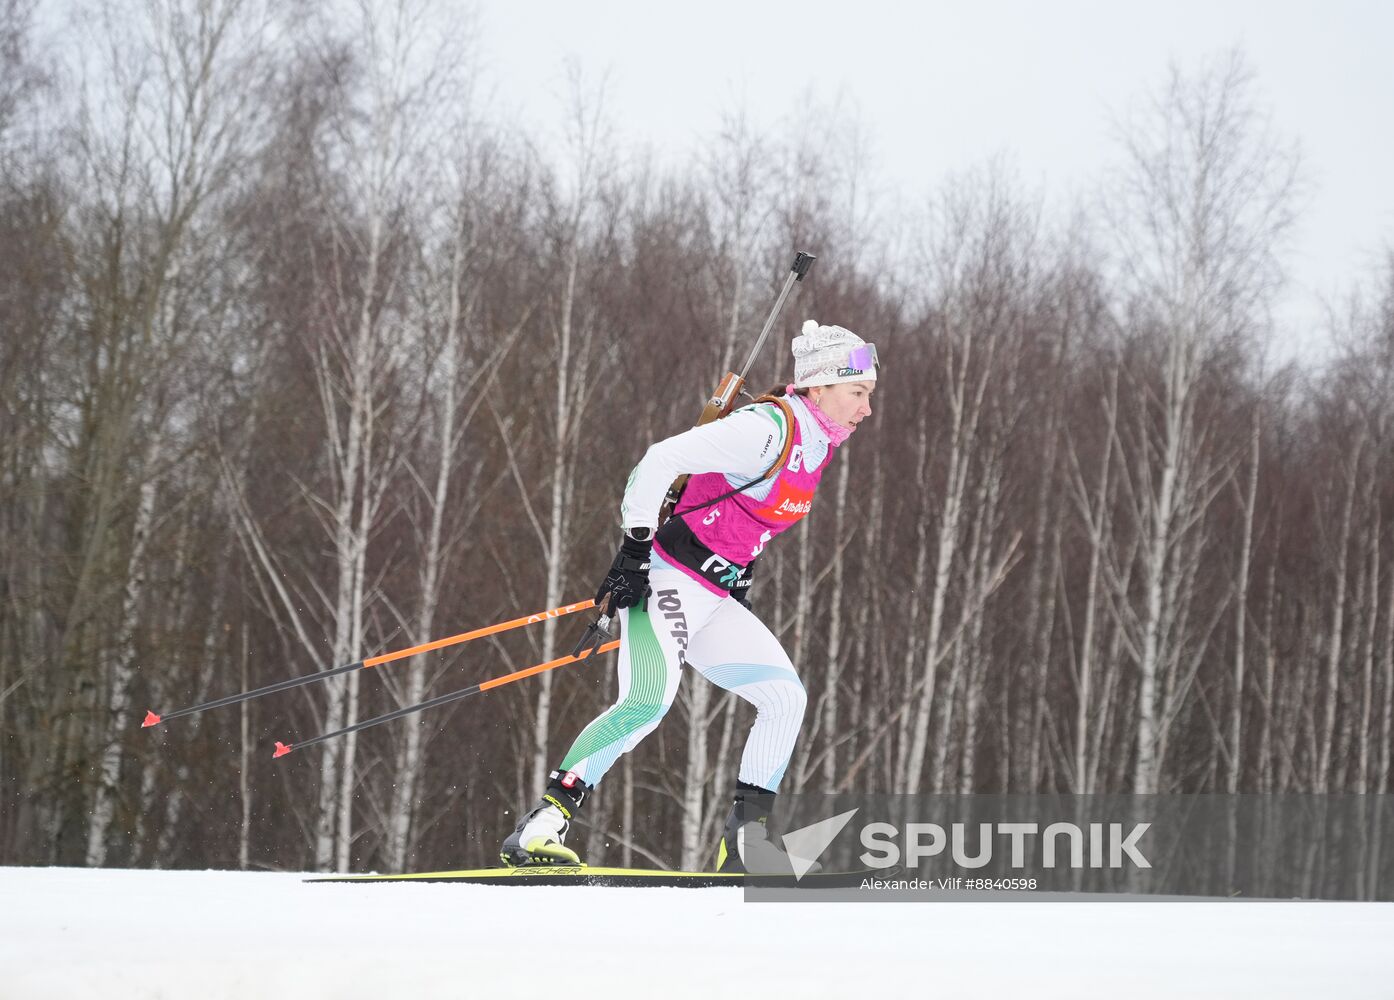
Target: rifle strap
{"type": "Point", "coordinates": [775, 466]}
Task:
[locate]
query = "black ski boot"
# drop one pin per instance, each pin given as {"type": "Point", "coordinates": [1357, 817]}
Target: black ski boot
{"type": "Point", "coordinates": [745, 842]}
{"type": "Point", "coordinates": [540, 836]}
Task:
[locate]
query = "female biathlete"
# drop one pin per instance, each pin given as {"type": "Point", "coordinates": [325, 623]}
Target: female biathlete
{"type": "Point", "coordinates": [682, 590]}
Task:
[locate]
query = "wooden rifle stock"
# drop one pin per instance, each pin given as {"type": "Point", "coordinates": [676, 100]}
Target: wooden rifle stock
{"type": "Point", "coordinates": [717, 407]}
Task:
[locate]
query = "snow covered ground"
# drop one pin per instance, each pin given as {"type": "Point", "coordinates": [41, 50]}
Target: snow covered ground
{"type": "Point", "coordinates": [75, 933]}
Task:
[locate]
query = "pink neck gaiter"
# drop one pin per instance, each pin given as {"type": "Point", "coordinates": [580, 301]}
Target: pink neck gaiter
{"type": "Point", "coordinates": [835, 432]}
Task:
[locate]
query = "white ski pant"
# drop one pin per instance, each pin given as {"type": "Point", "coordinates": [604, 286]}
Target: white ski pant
{"type": "Point", "coordinates": [686, 624]}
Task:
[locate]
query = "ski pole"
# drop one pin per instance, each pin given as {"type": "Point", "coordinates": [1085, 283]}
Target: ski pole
{"type": "Point", "coordinates": [284, 748]}
{"type": "Point", "coordinates": [152, 719]}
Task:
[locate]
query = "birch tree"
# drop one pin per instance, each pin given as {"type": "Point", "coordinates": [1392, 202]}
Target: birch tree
{"type": "Point", "coordinates": [34, 286]}
{"type": "Point", "coordinates": [1200, 213]}
{"type": "Point", "coordinates": [464, 359]}
{"type": "Point", "coordinates": [976, 262]}
{"type": "Point", "coordinates": [571, 362]}
{"type": "Point", "coordinates": [164, 136]}
{"type": "Point", "coordinates": [738, 178]}
{"type": "Point", "coordinates": [364, 156]}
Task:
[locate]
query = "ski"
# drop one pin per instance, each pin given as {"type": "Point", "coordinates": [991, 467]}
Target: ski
{"type": "Point", "coordinates": [552, 875]}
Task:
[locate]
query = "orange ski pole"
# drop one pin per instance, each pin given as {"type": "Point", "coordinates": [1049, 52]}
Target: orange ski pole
{"type": "Point", "coordinates": [152, 719]}
{"type": "Point", "coordinates": [284, 748]}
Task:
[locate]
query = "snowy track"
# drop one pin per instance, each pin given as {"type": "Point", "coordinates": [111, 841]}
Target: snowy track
{"type": "Point", "coordinates": [75, 933]}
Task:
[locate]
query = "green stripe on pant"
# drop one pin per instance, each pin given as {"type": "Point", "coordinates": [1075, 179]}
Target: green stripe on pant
{"type": "Point", "coordinates": [643, 703]}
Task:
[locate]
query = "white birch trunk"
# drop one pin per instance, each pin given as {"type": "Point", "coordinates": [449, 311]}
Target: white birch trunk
{"type": "Point", "coordinates": [724, 777]}
{"type": "Point", "coordinates": [123, 670]}
{"type": "Point", "coordinates": [558, 522]}
{"type": "Point", "coordinates": [244, 833]}
{"type": "Point", "coordinates": [402, 811]}
{"type": "Point", "coordinates": [1241, 613]}
{"type": "Point", "coordinates": [912, 631]}
{"type": "Point", "coordinates": [833, 670]}
{"type": "Point", "coordinates": [349, 473]}
{"type": "Point", "coordinates": [1266, 775]}
{"type": "Point", "coordinates": [1367, 662]}
{"type": "Point", "coordinates": [1386, 728]}
{"type": "Point", "coordinates": [1321, 781]}
{"type": "Point", "coordinates": [208, 664]}
{"type": "Point", "coordinates": [973, 575]}
{"type": "Point", "coordinates": [947, 546]}
{"type": "Point", "coordinates": [1041, 588]}
{"type": "Point", "coordinates": [1096, 518]}
{"type": "Point", "coordinates": [1160, 514]}
{"type": "Point", "coordinates": [698, 695]}
{"type": "Point", "coordinates": [977, 656]}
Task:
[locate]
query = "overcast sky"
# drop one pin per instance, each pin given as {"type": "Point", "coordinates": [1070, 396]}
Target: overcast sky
{"type": "Point", "coordinates": [943, 86]}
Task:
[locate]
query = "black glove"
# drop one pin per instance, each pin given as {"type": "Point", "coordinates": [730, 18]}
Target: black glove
{"type": "Point", "coordinates": [628, 580]}
{"type": "Point", "coordinates": [742, 589]}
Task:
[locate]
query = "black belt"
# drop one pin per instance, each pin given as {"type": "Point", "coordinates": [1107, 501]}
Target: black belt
{"type": "Point", "coordinates": [681, 544]}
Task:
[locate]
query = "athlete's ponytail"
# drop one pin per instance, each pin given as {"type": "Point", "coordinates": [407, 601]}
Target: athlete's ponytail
{"type": "Point", "coordinates": [783, 390]}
